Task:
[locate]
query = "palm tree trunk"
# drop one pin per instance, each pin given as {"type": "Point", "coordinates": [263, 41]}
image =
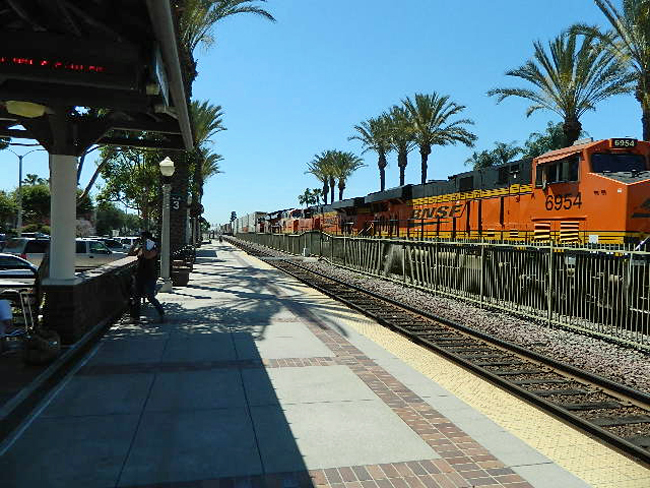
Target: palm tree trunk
{"type": "Point", "coordinates": [326, 190]}
{"type": "Point", "coordinates": [341, 188]}
{"type": "Point", "coordinates": [402, 161]}
{"type": "Point", "coordinates": [644, 99]}
{"type": "Point", "coordinates": [571, 128]}
{"type": "Point", "coordinates": [332, 183]}
{"type": "Point", "coordinates": [425, 158]}
{"type": "Point", "coordinates": [382, 163]}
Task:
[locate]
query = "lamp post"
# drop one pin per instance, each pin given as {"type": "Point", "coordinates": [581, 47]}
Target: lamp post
{"type": "Point", "coordinates": [19, 220]}
{"type": "Point", "coordinates": [167, 170]}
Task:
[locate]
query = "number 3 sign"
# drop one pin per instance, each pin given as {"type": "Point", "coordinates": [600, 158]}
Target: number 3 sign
{"type": "Point", "coordinates": [175, 203]}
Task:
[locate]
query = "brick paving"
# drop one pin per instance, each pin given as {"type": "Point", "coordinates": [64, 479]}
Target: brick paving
{"type": "Point", "coordinates": [435, 473]}
{"type": "Point", "coordinates": [464, 462]}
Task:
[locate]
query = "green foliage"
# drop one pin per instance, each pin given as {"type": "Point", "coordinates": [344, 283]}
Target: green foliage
{"type": "Point", "coordinates": [32, 179]}
{"type": "Point", "coordinates": [629, 42]}
{"type": "Point", "coordinates": [132, 224]}
{"type": "Point", "coordinates": [37, 227]}
{"type": "Point", "coordinates": [376, 135]}
{"type": "Point", "coordinates": [541, 142]}
{"type": "Point", "coordinates": [432, 125]}
{"type": "Point", "coordinates": [36, 203]}
{"type": "Point", "coordinates": [199, 16]}
{"type": "Point", "coordinates": [109, 218]}
{"type": "Point", "coordinates": [344, 164]}
{"type": "Point", "coordinates": [502, 153]}
{"type": "Point", "coordinates": [85, 205]}
{"type": "Point", "coordinates": [8, 210]}
{"type": "Point", "coordinates": [321, 167]}
{"type": "Point", "coordinates": [132, 178]}
{"type": "Point", "coordinates": [310, 197]}
{"type": "Point", "coordinates": [569, 80]}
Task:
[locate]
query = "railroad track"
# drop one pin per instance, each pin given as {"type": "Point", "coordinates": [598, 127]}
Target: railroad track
{"type": "Point", "coordinates": [614, 413]}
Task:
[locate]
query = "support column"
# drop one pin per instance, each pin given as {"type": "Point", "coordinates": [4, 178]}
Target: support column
{"type": "Point", "coordinates": [165, 248]}
{"type": "Point", "coordinates": [63, 184]}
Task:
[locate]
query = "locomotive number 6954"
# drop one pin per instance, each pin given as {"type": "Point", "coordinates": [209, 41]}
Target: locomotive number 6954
{"type": "Point", "coordinates": [565, 201]}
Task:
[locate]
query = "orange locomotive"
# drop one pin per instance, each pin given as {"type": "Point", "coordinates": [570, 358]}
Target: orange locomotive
{"type": "Point", "coordinates": [595, 192]}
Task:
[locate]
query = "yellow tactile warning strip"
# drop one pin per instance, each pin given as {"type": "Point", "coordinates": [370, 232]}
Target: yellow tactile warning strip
{"type": "Point", "coordinates": [579, 454]}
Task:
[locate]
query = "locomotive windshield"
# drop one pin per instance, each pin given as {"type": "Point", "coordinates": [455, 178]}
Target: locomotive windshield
{"type": "Point", "coordinates": [617, 163]}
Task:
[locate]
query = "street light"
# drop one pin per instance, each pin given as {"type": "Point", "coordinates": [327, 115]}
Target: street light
{"type": "Point", "coordinates": [167, 170]}
{"type": "Point", "coordinates": [19, 221]}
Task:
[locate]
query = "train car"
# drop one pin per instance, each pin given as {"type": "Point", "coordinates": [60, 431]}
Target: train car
{"type": "Point", "coordinates": [595, 192]}
{"type": "Point", "coordinates": [253, 222]}
{"type": "Point", "coordinates": [591, 192]}
{"type": "Point", "coordinates": [226, 229]}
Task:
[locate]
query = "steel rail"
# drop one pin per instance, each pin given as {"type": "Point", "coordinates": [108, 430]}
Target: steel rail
{"type": "Point", "coordinates": [640, 398]}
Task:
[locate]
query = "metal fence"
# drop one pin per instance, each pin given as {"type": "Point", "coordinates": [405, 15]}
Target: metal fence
{"type": "Point", "coordinates": [603, 292]}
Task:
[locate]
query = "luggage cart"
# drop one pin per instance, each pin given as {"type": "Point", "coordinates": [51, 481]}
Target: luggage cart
{"type": "Point", "coordinates": [39, 345]}
{"type": "Point", "coordinates": [21, 298]}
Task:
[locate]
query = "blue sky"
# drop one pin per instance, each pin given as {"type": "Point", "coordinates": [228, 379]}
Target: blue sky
{"type": "Point", "coordinates": [296, 87]}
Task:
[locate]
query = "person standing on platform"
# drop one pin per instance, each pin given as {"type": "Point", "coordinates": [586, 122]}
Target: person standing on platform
{"type": "Point", "coordinates": [146, 273]}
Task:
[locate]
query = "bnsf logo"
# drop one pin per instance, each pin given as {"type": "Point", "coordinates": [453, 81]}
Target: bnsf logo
{"type": "Point", "coordinates": [441, 212]}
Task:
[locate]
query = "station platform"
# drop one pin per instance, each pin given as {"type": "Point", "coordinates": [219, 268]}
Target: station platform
{"type": "Point", "coordinates": [256, 380]}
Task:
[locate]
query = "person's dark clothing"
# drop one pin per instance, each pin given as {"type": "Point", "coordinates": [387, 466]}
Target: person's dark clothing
{"type": "Point", "coordinates": [145, 284]}
{"type": "Point", "coordinates": [146, 268]}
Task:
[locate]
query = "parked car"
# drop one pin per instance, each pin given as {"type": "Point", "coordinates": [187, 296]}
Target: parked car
{"type": "Point", "coordinates": [93, 252]}
{"type": "Point", "coordinates": [129, 241]}
{"type": "Point", "coordinates": [28, 248]}
{"type": "Point", "coordinates": [114, 244]}
{"type": "Point", "coordinates": [12, 266]}
{"type": "Point", "coordinates": [90, 252]}
{"type": "Point", "coordinates": [17, 273]}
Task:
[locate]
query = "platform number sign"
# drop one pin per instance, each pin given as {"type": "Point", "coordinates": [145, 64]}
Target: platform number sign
{"type": "Point", "coordinates": [175, 203]}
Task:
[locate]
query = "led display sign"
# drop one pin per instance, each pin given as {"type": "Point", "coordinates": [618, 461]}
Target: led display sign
{"type": "Point", "coordinates": [57, 59]}
{"type": "Point", "coordinates": [53, 64]}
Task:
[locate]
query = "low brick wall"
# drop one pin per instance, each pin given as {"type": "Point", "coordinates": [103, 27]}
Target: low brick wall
{"type": "Point", "coordinates": [102, 295]}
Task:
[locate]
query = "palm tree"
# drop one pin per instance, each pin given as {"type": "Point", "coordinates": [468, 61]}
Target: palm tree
{"type": "Point", "coordinates": [570, 81]}
{"type": "Point", "coordinates": [344, 164]}
{"type": "Point", "coordinates": [199, 16]}
{"type": "Point", "coordinates": [207, 121]}
{"type": "Point", "coordinates": [375, 135]}
{"type": "Point", "coordinates": [480, 160]}
{"type": "Point", "coordinates": [321, 168]}
{"type": "Point", "coordinates": [504, 152]}
{"type": "Point", "coordinates": [402, 138]}
{"type": "Point", "coordinates": [430, 118]}
{"type": "Point", "coordinates": [630, 43]}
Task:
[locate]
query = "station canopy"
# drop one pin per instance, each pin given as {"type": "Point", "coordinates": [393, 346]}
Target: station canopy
{"type": "Point", "coordinates": [79, 72]}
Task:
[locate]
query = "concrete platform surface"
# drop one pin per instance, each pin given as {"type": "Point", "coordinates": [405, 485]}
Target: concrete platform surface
{"type": "Point", "coordinates": [257, 381]}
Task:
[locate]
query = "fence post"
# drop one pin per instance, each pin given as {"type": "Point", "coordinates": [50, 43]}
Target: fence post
{"type": "Point", "coordinates": [482, 287]}
{"type": "Point", "coordinates": [404, 263]}
{"type": "Point", "coordinates": [549, 292]}
{"type": "Point", "coordinates": [360, 260]}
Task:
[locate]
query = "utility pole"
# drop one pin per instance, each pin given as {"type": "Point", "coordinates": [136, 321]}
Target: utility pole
{"type": "Point", "coordinates": [19, 220]}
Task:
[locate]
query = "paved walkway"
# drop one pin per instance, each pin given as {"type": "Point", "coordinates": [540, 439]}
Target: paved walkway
{"type": "Point", "coordinates": [258, 381]}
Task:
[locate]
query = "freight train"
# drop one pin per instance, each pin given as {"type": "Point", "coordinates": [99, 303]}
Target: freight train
{"type": "Point", "coordinates": [591, 192]}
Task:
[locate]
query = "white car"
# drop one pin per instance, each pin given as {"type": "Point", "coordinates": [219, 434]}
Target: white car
{"type": "Point", "coordinates": [90, 252]}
